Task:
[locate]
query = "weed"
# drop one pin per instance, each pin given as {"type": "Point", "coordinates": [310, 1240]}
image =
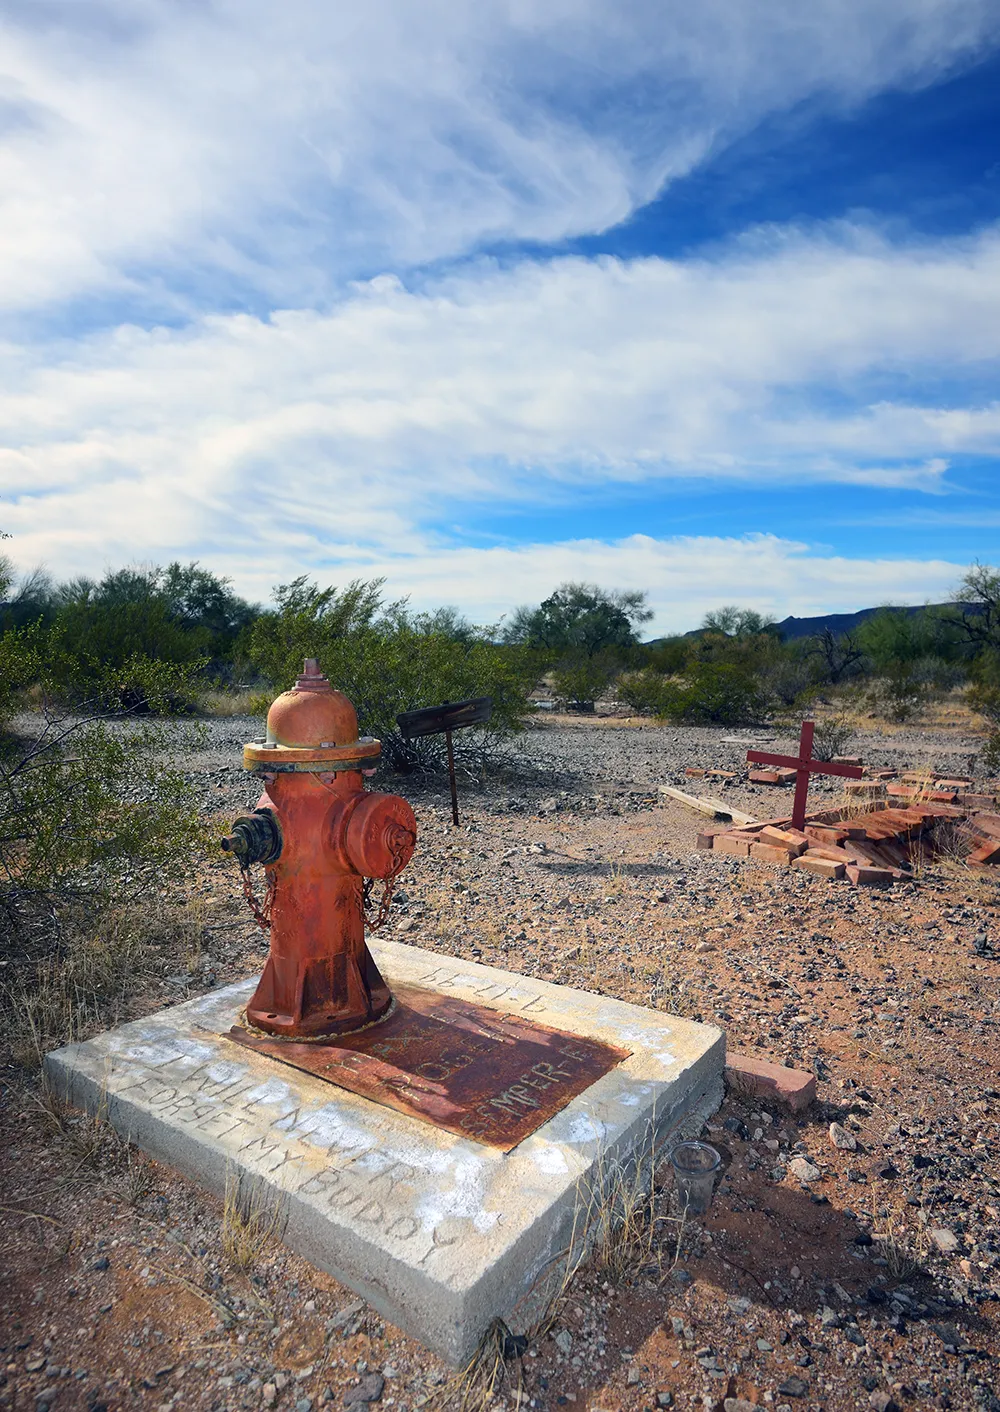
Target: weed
{"type": "Point", "coordinates": [493, 1371]}
{"type": "Point", "coordinates": [901, 1262]}
{"type": "Point", "coordinates": [251, 1221]}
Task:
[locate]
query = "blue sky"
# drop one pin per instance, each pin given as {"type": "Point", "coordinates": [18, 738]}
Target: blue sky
{"type": "Point", "coordinates": [480, 297]}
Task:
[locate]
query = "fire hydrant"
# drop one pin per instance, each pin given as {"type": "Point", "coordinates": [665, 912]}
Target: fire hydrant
{"type": "Point", "coordinates": [319, 834]}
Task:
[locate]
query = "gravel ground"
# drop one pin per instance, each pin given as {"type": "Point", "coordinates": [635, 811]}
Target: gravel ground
{"type": "Point", "coordinates": [854, 1273]}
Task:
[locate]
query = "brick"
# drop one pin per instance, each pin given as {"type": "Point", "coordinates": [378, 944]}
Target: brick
{"type": "Point", "coordinates": [705, 840]}
{"type": "Point", "coordinates": [781, 838]}
{"type": "Point", "coordinates": [720, 774]}
{"type": "Point", "coordinates": [758, 1078]}
{"type": "Point", "coordinates": [737, 847]}
{"type": "Point", "coordinates": [952, 784]}
{"type": "Point", "coordinates": [764, 777]}
{"type": "Point", "coordinates": [822, 867]}
{"type": "Point", "coordinates": [786, 774]}
{"type": "Point", "coordinates": [833, 835]}
{"type": "Point", "coordinates": [863, 876]}
{"type": "Point", "coordinates": [942, 796]}
{"type": "Point", "coordinates": [988, 824]}
{"type": "Point", "coordinates": [825, 850]}
{"type": "Point", "coordinates": [765, 853]}
{"type": "Point", "coordinates": [978, 801]}
{"type": "Point", "coordinates": [986, 853]}
{"type": "Point", "coordinates": [866, 789]}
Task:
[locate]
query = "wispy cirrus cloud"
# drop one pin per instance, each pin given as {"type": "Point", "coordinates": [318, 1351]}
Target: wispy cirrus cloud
{"type": "Point", "coordinates": [180, 156]}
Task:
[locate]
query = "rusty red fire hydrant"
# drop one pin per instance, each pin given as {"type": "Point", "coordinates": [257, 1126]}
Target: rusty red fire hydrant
{"type": "Point", "coordinates": [320, 835]}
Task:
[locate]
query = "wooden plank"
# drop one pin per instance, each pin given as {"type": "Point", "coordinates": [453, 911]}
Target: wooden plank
{"type": "Point", "coordinates": [716, 808]}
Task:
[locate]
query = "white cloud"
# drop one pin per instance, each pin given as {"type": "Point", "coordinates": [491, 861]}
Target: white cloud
{"type": "Point", "coordinates": [685, 577]}
{"type": "Point", "coordinates": [349, 435]}
{"type": "Point", "coordinates": [197, 155]}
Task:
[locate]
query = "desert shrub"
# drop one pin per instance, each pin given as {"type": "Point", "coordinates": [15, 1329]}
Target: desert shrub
{"type": "Point", "coordinates": [715, 694]}
{"type": "Point", "coordinates": [644, 691]}
{"type": "Point", "coordinates": [92, 824]}
{"type": "Point", "coordinates": [580, 679]}
{"type": "Point", "coordinates": [896, 698]}
{"type": "Point", "coordinates": [984, 698]}
{"type": "Point", "coordinates": [388, 661]}
{"type": "Point", "coordinates": [830, 738]}
{"type": "Point", "coordinates": [788, 679]}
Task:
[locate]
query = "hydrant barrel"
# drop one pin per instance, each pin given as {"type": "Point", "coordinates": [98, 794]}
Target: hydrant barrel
{"type": "Point", "coordinates": [322, 835]}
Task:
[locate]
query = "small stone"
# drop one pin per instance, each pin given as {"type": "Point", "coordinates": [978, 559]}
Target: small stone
{"type": "Point", "coordinates": [634, 1376]}
{"type": "Point", "coordinates": [882, 1402]}
{"type": "Point", "coordinates": [304, 1373]}
{"type": "Point", "coordinates": [804, 1170]}
{"type": "Point", "coordinates": [793, 1387]}
{"type": "Point", "coordinates": [369, 1390]}
{"type": "Point", "coordinates": [739, 1404]}
{"type": "Point", "coordinates": [304, 1404]}
{"type": "Point", "coordinates": [842, 1138]}
{"type": "Point", "coordinates": [563, 1340]}
{"type": "Point", "coordinates": [270, 1394]}
{"type": "Point", "coordinates": [664, 1399]}
{"type": "Point", "coordinates": [35, 1362]}
{"type": "Point", "coordinates": [764, 1346]}
{"type": "Point", "coordinates": [945, 1241]}
{"type": "Point", "coordinates": [101, 1263]}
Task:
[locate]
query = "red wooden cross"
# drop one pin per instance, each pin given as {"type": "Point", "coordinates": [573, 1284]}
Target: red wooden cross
{"type": "Point", "coordinates": [805, 766]}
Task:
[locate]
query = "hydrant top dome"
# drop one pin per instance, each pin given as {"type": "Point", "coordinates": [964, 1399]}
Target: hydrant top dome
{"type": "Point", "coordinates": [312, 713]}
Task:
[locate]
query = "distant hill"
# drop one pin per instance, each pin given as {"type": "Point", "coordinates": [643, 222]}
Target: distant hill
{"type": "Point", "coordinates": [838, 623]}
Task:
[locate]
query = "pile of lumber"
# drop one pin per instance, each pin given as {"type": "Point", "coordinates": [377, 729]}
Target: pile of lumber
{"type": "Point", "coordinates": [874, 849]}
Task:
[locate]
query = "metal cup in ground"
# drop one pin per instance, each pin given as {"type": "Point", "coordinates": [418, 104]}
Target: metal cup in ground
{"type": "Point", "coordinates": [696, 1166]}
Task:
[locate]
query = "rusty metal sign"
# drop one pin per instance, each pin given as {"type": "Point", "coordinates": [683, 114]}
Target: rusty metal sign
{"type": "Point", "coordinates": [452, 716]}
{"type": "Point", "coordinates": [471, 1070]}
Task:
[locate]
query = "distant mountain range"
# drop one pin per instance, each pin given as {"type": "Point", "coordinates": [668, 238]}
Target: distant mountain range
{"type": "Point", "coordinates": [839, 623]}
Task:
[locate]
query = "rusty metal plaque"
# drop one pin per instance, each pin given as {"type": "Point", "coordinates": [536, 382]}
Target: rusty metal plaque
{"type": "Point", "coordinates": [452, 716]}
{"type": "Point", "coordinates": [471, 1070]}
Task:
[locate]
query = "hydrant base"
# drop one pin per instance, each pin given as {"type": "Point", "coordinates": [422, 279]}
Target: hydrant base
{"type": "Point", "coordinates": [331, 995]}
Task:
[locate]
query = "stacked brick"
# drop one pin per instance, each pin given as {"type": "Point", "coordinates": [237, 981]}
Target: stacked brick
{"type": "Point", "coordinates": [874, 849]}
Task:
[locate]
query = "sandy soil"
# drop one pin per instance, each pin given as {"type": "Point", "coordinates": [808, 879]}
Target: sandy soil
{"type": "Point", "coordinates": [878, 1281]}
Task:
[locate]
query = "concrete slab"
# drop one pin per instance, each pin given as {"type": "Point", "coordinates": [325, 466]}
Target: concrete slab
{"type": "Point", "coordinates": [438, 1232]}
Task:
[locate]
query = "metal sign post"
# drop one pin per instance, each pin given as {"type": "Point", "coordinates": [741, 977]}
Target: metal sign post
{"type": "Point", "coordinates": [442, 720]}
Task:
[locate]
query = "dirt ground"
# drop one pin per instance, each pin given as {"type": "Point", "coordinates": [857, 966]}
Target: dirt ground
{"type": "Point", "coordinates": [876, 1282]}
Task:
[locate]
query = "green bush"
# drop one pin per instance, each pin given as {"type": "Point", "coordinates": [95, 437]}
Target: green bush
{"type": "Point", "coordinates": [710, 693]}
{"type": "Point", "coordinates": [95, 829]}
{"type": "Point", "coordinates": [984, 698]}
{"type": "Point", "coordinates": [716, 693]}
{"type": "Point", "coordinates": [644, 691]}
{"type": "Point", "coordinates": [579, 679]}
{"type": "Point", "coordinates": [389, 661]}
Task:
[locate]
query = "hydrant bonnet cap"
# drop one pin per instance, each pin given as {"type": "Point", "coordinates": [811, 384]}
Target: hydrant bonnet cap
{"type": "Point", "coordinates": [312, 714]}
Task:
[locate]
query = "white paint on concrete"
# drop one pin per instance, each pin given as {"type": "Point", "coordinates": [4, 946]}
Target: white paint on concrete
{"type": "Point", "coordinates": [440, 1233]}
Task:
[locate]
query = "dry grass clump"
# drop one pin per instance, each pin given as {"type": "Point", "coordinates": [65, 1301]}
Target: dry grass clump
{"type": "Point", "coordinates": [494, 1371]}
{"type": "Point", "coordinates": [234, 703]}
{"type": "Point", "coordinates": [93, 968]}
{"type": "Point", "coordinates": [251, 1221]}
